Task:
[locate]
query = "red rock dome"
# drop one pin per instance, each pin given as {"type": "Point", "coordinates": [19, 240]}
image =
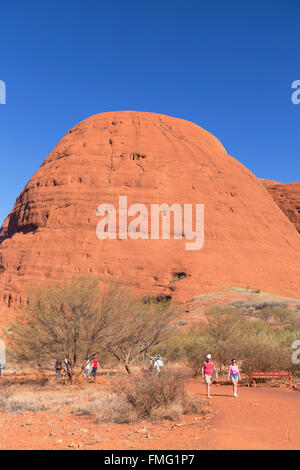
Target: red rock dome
{"type": "Point", "coordinates": [152, 159]}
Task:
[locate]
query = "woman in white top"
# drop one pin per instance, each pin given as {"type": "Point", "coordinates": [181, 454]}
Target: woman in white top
{"type": "Point", "coordinates": [158, 364]}
{"type": "Point", "coordinates": [87, 370]}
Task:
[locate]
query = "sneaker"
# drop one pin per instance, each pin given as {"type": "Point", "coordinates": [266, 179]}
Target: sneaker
{"type": "Point", "coordinates": [235, 394]}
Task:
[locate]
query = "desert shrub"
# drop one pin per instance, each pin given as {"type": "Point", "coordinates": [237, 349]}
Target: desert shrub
{"type": "Point", "coordinates": [269, 350]}
{"type": "Point", "coordinates": [222, 310]}
{"type": "Point", "coordinates": [259, 345]}
{"type": "Point", "coordinates": [277, 313]}
{"type": "Point", "coordinates": [196, 352]}
{"type": "Point", "coordinates": [249, 307]}
{"type": "Point", "coordinates": [221, 335]}
{"type": "Point", "coordinates": [155, 396]}
{"type": "Point", "coordinates": [151, 391]}
{"type": "Point", "coordinates": [172, 346]}
{"type": "Point", "coordinates": [146, 396]}
{"type": "Point", "coordinates": [261, 354]}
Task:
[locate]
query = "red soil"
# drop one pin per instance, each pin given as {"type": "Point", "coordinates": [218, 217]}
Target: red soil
{"type": "Point", "coordinates": [260, 418]}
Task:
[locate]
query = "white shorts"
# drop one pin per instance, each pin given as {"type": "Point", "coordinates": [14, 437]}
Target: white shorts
{"type": "Point", "coordinates": [208, 379]}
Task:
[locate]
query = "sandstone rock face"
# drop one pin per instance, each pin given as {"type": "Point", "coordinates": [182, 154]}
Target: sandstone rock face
{"type": "Point", "coordinates": [287, 196]}
{"type": "Point", "coordinates": [51, 232]}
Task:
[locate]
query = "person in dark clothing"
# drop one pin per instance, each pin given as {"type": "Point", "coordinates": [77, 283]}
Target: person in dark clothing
{"type": "Point", "coordinates": [58, 368]}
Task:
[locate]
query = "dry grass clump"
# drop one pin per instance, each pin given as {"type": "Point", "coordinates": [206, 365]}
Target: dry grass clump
{"type": "Point", "coordinates": [107, 407]}
{"type": "Point", "coordinates": [29, 399]}
{"type": "Point", "coordinates": [193, 405]}
{"type": "Point", "coordinates": [18, 403]}
{"type": "Point", "coordinates": [41, 382]}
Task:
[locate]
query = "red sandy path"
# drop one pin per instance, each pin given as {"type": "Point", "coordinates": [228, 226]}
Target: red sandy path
{"type": "Point", "coordinates": [261, 418]}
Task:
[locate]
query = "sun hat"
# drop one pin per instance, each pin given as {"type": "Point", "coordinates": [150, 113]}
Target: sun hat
{"type": "Point", "coordinates": [208, 356]}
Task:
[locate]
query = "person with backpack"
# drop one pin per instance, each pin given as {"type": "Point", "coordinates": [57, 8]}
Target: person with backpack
{"type": "Point", "coordinates": [94, 368]}
{"type": "Point", "coordinates": [1, 369]}
{"type": "Point", "coordinates": [208, 369]}
{"type": "Point", "coordinates": [234, 376]}
{"type": "Point", "coordinates": [58, 368]}
{"type": "Point", "coordinates": [158, 364]}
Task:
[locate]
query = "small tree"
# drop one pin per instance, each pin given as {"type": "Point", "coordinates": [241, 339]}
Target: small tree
{"type": "Point", "coordinates": [65, 321]}
{"type": "Point", "coordinates": [139, 326]}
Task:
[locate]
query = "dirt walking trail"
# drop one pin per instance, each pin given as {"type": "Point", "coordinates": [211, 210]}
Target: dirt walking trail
{"type": "Point", "coordinates": [259, 418]}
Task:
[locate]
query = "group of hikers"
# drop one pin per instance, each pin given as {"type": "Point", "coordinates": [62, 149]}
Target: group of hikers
{"type": "Point", "coordinates": [156, 364]}
{"type": "Point", "coordinates": [208, 371]}
{"type": "Point", "coordinates": [91, 367]}
{"type": "Point", "coordinates": [62, 367]}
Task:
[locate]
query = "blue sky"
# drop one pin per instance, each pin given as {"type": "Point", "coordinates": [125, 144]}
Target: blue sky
{"type": "Point", "coordinates": [227, 66]}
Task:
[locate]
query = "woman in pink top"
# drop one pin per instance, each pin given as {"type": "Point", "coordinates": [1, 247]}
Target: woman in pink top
{"type": "Point", "coordinates": [234, 376]}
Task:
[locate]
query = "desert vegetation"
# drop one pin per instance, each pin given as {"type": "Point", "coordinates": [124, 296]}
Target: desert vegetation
{"type": "Point", "coordinates": [122, 398]}
{"type": "Point", "coordinates": [145, 396]}
{"type": "Point", "coordinates": [79, 321]}
{"type": "Point", "coordinates": [84, 318]}
{"type": "Point", "coordinates": [259, 334]}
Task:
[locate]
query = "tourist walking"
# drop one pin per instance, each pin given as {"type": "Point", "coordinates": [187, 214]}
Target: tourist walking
{"type": "Point", "coordinates": [87, 370]}
{"type": "Point", "coordinates": [1, 369]}
{"type": "Point", "coordinates": [95, 367]}
{"type": "Point", "coordinates": [208, 369]}
{"type": "Point", "coordinates": [234, 376]}
{"type": "Point", "coordinates": [158, 364]}
{"type": "Point", "coordinates": [58, 368]}
{"type": "Point", "coordinates": [65, 367]}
